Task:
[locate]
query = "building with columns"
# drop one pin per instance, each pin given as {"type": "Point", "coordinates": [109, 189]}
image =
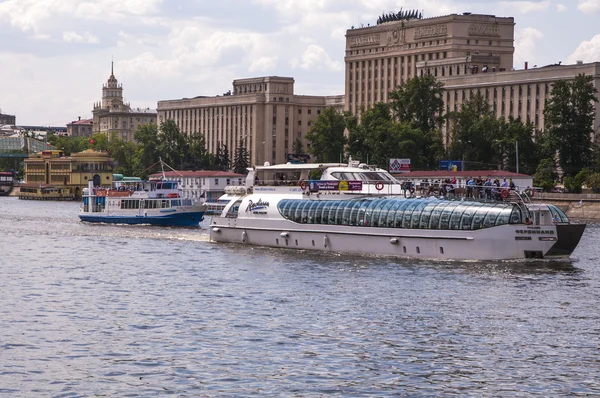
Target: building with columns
{"type": "Point", "coordinates": [467, 52]}
{"type": "Point", "coordinates": [113, 115]}
{"type": "Point", "coordinates": [263, 111]}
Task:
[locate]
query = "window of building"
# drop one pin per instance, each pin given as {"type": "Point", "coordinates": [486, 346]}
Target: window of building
{"type": "Point", "coordinates": [310, 110]}
{"type": "Point", "coordinates": [216, 181]}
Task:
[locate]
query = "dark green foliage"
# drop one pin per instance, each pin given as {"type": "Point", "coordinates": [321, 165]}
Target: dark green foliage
{"type": "Point", "coordinates": [545, 175]}
{"type": "Point", "coordinates": [241, 160]}
{"type": "Point", "coordinates": [326, 136]}
{"type": "Point", "coordinates": [569, 117]}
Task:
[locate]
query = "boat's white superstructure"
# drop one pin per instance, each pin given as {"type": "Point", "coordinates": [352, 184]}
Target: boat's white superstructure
{"type": "Point", "coordinates": [305, 215]}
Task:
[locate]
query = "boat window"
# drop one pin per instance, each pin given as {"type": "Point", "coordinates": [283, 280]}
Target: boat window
{"type": "Point", "coordinates": [434, 219]}
{"type": "Point", "coordinates": [297, 216]}
{"type": "Point", "coordinates": [467, 217]}
{"type": "Point", "coordinates": [456, 216]}
{"type": "Point", "coordinates": [339, 212]}
{"type": "Point", "coordinates": [361, 213]}
{"type": "Point", "coordinates": [391, 215]}
{"type": "Point", "coordinates": [292, 210]}
{"type": "Point", "coordinates": [304, 212]}
{"type": "Point", "coordinates": [283, 207]}
{"type": "Point", "coordinates": [234, 209]}
{"type": "Point", "coordinates": [561, 214]}
{"type": "Point", "coordinates": [311, 211]}
{"type": "Point", "coordinates": [515, 216]}
{"type": "Point", "coordinates": [175, 203]}
{"type": "Point", "coordinates": [426, 214]}
{"type": "Point", "coordinates": [166, 204]}
{"type": "Point", "coordinates": [354, 212]}
{"type": "Point", "coordinates": [386, 205]}
{"type": "Point", "coordinates": [369, 212]}
{"type": "Point", "coordinates": [492, 216]}
{"type": "Point", "coordinates": [408, 211]}
{"type": "Point", "coordinates": [400, 213]}
{"type": "Point", "coordinates": [479, 216]}
{"type": "Point", "coordinates": [319, 212]}
{"type": "Point", "coordinates": [446, 214]}
{"type": "Point", "coordinates": [416, 215]}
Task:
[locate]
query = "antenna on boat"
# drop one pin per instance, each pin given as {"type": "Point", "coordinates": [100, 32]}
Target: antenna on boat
{"type": "Point", "coordinates": [162, 167]}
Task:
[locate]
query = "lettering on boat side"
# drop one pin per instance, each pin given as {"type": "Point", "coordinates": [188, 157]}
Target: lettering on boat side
{"type": "Point", "coordinates": [535, 231]}
{"type": "Point", "coordinates": [260, 204]}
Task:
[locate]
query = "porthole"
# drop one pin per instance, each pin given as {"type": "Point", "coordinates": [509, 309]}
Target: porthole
{"type": "Point", "coordinates": [277, 241]}
{"type": "Point", "coordinates": [313, 242]}
{"type": "Point", "coordinates": [441, 250]}
{"type": "Point", "coordinates": [296, 242]}
{"type": "Point", "coordinates": [404, 249]}
{"type": "Point", "coordinates": [418, 250]}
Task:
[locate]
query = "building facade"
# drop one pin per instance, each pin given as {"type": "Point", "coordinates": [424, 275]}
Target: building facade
{"type": "Point", "coordinates": [80, 128]}
{"type": "Point", "coordinates": [379, 58]}
{"type": "Point", "coordinates": [468, 53]}
{"type": "Point", "coordinates": [113, 115]}
{"type": "Point", "coordinates": [264, 112]}
{"type": "Point", "coordinates": [10, 120]}
{"type": "Point", "coordinates": [206, 185]}
{"type": "Point", "coordinates": [53, 168]}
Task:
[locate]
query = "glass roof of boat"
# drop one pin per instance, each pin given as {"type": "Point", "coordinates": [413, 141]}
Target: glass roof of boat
{"type": "Point", "coordinates": [394, 212]}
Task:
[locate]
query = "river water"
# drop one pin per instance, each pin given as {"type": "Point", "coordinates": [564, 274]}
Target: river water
{"type": "Point", "coordinates": [98, 310]}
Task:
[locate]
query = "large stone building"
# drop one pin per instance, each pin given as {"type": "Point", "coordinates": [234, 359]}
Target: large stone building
{"type": "Point", "coordinates": [10, 120]}
{"type": "Point", "coordinates": [80, 128]}
{"type": "Point", "coordinates": [113, 115]}
{"type": "Point", "coordinates": [263, 111]}
{"type": "Point", "coordinates": [51, 168]}
{"type": "Point", "coordinates": [469, 53]}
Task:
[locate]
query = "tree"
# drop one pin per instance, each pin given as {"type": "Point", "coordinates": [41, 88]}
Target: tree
{"type": "Point", "coordinates": [241, 159]}
{"type": "Point", "coordinates": [122, 152]}
{"type": "Point", "coordinates": [171, 144]}
{"type": "Point", "coordinates": [420, 102]}
{"type": "Point", "coordinates": [146, 152]}
{"type": "Point", "coordinates": [326, 136]}
{"type": "Point", "coordinates": [196, 156]}
{"type": "Point", "coordinates": [569, 117]}
{"type": "Point", "coordinates": [545, 175]}
{"type": "Point", "coordinates": [298, 147]}
{"type": "Point", "coordinates": [221, 159]}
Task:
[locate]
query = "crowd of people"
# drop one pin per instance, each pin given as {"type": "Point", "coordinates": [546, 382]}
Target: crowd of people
{"type": "Point", "coordinates": [476, 188]}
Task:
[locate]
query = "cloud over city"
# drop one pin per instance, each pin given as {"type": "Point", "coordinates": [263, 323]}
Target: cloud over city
{"type": "Point", "coordinates": [60, 50]}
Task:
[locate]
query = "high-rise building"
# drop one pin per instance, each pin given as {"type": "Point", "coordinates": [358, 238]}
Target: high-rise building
{"type": "Point", "coordinates": [469, 53]}
{"type": "Point", "coordinates": [80, 128]}
{"type": "Point", "coordinates": [7, 119]}
{"type": "Point", "coordinates": [113, 115]}
{"type": "Point", "coordinates": [264, 112]}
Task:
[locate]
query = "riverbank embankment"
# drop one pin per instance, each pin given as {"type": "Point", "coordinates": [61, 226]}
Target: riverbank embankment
{"type": "Point", "coordinates": [585, 206]}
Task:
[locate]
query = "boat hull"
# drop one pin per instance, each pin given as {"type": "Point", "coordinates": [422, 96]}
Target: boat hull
{"type": "Point", "coordinates": [183, 219]}
{"type": "Point", "coordinates": [498, 243]}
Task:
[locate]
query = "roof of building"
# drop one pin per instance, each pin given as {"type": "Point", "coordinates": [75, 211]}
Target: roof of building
{"type": "Point", "coordinates": [467, 173]}
{"type": "Point", "coordinates": [198, 173]}
{"type": "Point", "coordinates": [83, 121]}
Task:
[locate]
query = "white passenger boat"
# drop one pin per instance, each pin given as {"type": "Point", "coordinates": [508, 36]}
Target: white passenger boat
{"type": "Point", "coordinates": [339, 216]}
{"type": "Point", "coordinates": [155, 202]}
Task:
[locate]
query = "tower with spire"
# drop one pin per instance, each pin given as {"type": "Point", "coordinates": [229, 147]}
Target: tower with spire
{"type": "Point", "coordinates": [113, 115]}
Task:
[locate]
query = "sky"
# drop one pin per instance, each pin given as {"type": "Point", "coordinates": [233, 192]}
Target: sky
{"type": "Point", "coordinates": [56, 54]}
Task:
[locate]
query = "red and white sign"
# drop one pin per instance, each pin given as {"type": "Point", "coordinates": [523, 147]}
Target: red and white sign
{"type": "Point", "coordinates": [399, 165]}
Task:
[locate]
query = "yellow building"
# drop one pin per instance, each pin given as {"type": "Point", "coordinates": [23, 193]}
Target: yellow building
{"type": "Point", "coordinates": [52, 168]}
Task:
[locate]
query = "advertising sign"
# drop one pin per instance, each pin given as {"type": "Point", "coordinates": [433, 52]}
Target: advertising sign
{"type": "Point", "coordinates": [399, 165]}
{"type": "Point", "coordinates": [451, 165]}
{"type": "Point", "coordinates": [319, 185]}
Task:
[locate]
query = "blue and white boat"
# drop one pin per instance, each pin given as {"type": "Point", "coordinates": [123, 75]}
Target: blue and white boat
{"type": "Point", "coordinates": [134, 201]}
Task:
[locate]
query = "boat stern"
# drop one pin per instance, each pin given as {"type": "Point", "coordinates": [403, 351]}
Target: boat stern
{"type": "Point", "coordinates": [568, 237]}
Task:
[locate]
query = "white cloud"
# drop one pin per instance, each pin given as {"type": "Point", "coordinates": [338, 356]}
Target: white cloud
{"type": "Point", "coordinates": [587, 51]}
{"type": "Point", "coordinates": [588, 6]}
{"type": "Point", "coordinates": [263, 64]}
{"type": "Point", "coordinates": [74, 37]}
{"type": "Point", "coordinates": [526, 41]}
{"type": "Point", "coordinates": [561, 8]}
{"type": "Point", "coordinates": [524, 7]}
{"type": "Point", "coordinates": [315, 57]}
{"type": "Point", "coordinates": [147, 65]}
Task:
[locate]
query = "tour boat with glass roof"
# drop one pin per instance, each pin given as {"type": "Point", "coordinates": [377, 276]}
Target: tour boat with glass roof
{"type": "Point", "coordinates": [338, 216]}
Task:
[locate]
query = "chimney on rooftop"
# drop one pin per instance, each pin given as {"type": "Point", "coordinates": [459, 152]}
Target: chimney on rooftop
{"type": "Point", "coordinates": [526, 65]}
{"type": "Point", "coordinates": [79, 117]}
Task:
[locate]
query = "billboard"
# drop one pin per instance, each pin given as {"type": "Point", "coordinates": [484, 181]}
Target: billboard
{"type": "Point", "coordinates": [334, 185]}
{"type": "Point", "coordinates": [452, 165]}
{"type": "Point", "coordinates": [399, 165]}
{"type": "Point", "coordinates": [298, 158]}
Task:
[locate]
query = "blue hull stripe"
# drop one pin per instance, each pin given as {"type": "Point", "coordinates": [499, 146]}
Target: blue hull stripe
{"type": "Point", "coordinates": [191, 219]}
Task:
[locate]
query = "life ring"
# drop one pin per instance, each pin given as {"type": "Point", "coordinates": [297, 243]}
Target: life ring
{"type": "Point", "coordinates": [379, 186]}
{"type": "Point", "coordinates": [504, 193]}
{"type": "Point", "coordinates": [303, 185]}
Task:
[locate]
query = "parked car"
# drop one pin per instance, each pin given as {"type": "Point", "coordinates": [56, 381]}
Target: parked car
{"type": "Point", "coordinates": [559, 190]}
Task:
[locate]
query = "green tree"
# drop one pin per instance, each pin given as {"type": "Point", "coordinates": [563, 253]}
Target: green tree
{"type": "Point", "coordinates": [419, 101]}
{"type": "Point", "coordinates": [545, 175]}
{"type": "Point", "coordinates": [146, 152]}
{"type": "Point", "coordinates": [196, 155]}
{"type": "Point", "coordinates": [326, 136]}
{"type": "Point", "coordinates": [241, 160]}
{"type": "Point", "coordinates": [569, 117]}
{"type": "Point", "coordinates": [122, 153]}
{"type": "Point", "coordinates": [171, 144]}
{"type": "Point", "coordinates": [298, 147]}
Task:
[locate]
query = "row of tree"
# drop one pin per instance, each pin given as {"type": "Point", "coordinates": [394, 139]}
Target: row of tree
{"type": "Point", "coordinates": [410, 124]}
{"type": "Point", "coordinates": [178, 150]}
